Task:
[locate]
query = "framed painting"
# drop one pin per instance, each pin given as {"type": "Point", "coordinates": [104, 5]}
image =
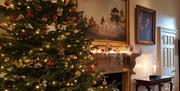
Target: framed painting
{"type": "Point", "coordinates": [145, 25]}
{"type": "Point", "coordinates": [108, 19]}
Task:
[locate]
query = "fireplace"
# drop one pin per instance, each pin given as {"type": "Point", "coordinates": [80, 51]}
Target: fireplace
{"type": "Point", "coordinates": [117, 77]}
{"type": "Point", "coordinates": [117, 66]}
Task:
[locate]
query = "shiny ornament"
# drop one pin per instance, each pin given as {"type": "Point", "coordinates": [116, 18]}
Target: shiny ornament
{"type": "Point", "coordinates": [64, 1]}
{"type": "Point", "coordinates": [44, 19]}
{"type": "Point", "coordinates": [29, 15]}
{"type": "Point", "coordinates": [21, 16]}
{"type": "Point", "coordinates": [59, 11]}
{"type": "Point", "coordinates": [77, 74]}
{"type": "Point", "coordinates": [94, 82]}
{"type": "Point", "coordinates": [13, 17]}
{"type": "Point", "coordinates": [74, 10]}
{"type": "Point", "coordinates": [54, 17]}
{"type": "Point", "coordinates": [104, 82]}
{"type": "Point", "coordinates": [76, 31]}
{"type": "Point", "coordinates": [91, 68]}
{"type": "Point", "coordinates": [11, 6]}
{"type": "Point", "coordinates": [23, 34]}
{"type": "Point", "coordinates": [61, 50]}
{"type": "Point", "coordinates": [38, 8]}
{"type": "Point", "coordinates": [53, 1]}
{"type": "Point", "coordinates": [50, 63]}
{"type": "Point", "coordinates": [75, 20]}
{"type": "Point", "coordinates": [7, 2]}
{"type": "Point", "coordinates": [1, 46]}
{"type": "Point", "coordinates": [38, 65]}
{"type": "Point", "coordinates": [50, 28]}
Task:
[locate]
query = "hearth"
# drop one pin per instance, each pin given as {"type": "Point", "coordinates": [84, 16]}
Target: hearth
{"type": "Point", "coordinates": [117, 77]}
{"type": "Point", "coordinates": [117, 66]}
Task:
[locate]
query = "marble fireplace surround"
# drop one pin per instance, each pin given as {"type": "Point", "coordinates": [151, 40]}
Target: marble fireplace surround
{"type": "Point", "coordinates": [117, 63]}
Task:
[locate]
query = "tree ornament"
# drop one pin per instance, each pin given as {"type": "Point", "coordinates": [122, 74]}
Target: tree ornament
{"type": "Point", "coordinates": [38, 65]}
{"type": "Point", "coordinates": [23, 34]}
{"type": "Point", "coordinates": [64, 1]}
{"type": "Point", "coordinates": [1, 46]}
{"type": "Point", "coordinates": [62, 27]}
{"type": "Point", "coordinates": [38, 8]}
{"type": "Point", "coordinates": [74, 9]}
{"type": "Point", "coordinates": [76, 31]}
{"type": "Point", "coordinates": [54, 17]}
{"type": "Point", "coordinates": [104, 82]}
{"type": "Point", "coordinates": [50, 28]}
{"type": "Point", "coordinates": [68, 33]}
{"type": "Point", "coordinates": [59, 11]}
{"type": "Point", "coordinates": [44, 19]}
{"type": "Point", "coordinates": [91, 68]}
{"type": "Point", "coordinates": [61, 50]}
{"type": "Point", "coordinates": [75, 20]}
{"type": "Point", "coordinates": [13, 17]}
{"type": "Point", "coordinates": [7, 2]}
{"type": "Point", "coordinates": [20, 16]}
{"type": "Point", "coordinates": [11, 6]}
{"type": "Point", "coordinates": [29, 15]}
{"type": "Point", "coordinates": [77, 74]}
{"type": "Point", "coordinates": [94, 82]}
{"type": "Point", "coordinates": [50, 63]}
{"type": "Point", "coordinates": [53, 1]}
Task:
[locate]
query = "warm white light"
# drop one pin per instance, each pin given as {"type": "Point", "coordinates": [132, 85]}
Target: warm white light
{"type": "Point", "coordinates": [154, 68]}
{"type": "Point", "coordinates": [37, 87]}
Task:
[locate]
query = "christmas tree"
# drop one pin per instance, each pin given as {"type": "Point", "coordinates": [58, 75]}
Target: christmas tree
{"type": "Point", "coordinates": [46, 48]}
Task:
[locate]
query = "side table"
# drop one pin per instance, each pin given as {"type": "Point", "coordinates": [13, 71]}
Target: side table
{"type": "Point", "coordinates": [149, 83]}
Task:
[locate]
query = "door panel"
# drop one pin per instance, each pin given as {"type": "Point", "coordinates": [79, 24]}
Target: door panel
{"type": "Point", "coordinates": [166, 43]}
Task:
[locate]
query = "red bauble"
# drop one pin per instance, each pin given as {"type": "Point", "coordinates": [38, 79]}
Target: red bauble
{"type": "Point", "coordinates": [29, 15]}
{"type": "Point", "coordinates": [50, 63]}
{"type": "Point", "coordinates": [7, 2]}
{"type": "Point", "coordinates": [23, 34]}
{"type": "Point", "coordinates": [64, 1]}
{"type": "Point", "coordinates": [13, 17]}
{"type": "Point", "coordinates": [91, 68]}
{"type": "Point", "coordinates": [74, 10]}
{"type": "Point", "coordinates": [54, 17]}
{"type": "Point", "coordinates": [61, 50]}
{"type": "Point", "coordinates": [75, 20]}
{"type": "Point", "coordinates": [1, 46]}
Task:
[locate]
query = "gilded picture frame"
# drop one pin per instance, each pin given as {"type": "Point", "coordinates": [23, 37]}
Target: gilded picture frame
{"type": "Point", "coordinates": [145, 25]}
{"type": "Point", "coordinates": [94, 14]}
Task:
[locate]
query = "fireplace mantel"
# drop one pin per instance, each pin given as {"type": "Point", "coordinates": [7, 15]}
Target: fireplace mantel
{"type": "Point", "coordinates": [117, 63]}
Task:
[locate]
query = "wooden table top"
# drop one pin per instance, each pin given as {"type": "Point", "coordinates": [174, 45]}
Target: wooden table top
{"type": "Point", "coordinates": [147, 81]}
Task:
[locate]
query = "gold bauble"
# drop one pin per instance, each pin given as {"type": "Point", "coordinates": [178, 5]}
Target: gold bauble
{"type": "Point", "coordinates": [104, 83]}
{"type": "Point", "coordinates": [94, 82]}
{"type": "Point", "coordinates": [77, 74]}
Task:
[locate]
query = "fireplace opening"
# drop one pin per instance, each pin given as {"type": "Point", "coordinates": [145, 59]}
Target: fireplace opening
{"type": "Point", "coordinates": [117, 77]}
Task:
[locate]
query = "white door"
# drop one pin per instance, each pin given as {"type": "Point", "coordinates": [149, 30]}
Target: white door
{"type": "Point", "coordinates": [167, 52]}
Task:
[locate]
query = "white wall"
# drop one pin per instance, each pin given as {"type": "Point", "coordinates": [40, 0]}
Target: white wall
{"type": "Point", "coordinates": [168, 16]}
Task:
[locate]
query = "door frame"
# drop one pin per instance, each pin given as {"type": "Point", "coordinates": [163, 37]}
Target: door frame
{"type": "Point", "coordinates": [159, 30]}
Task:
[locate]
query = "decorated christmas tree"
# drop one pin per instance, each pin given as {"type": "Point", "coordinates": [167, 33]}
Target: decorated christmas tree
{"type": "Point", "coordinates": [46, 48]}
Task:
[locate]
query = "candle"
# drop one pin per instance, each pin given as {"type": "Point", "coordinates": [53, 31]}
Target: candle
{"type": "Point", "coordinates": [154, 68]}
